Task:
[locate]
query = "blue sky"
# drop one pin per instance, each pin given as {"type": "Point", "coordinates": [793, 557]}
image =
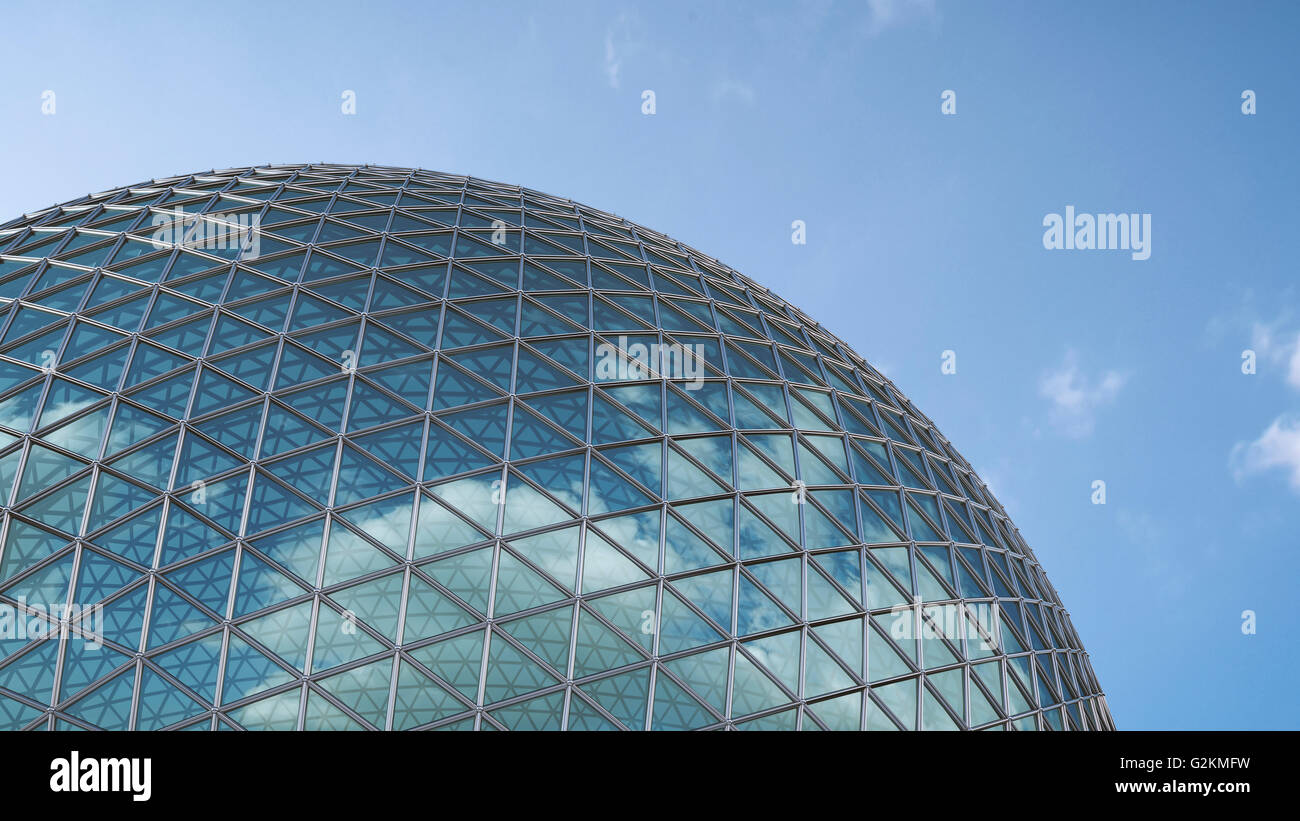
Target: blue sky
{"type": "Point", "coordinates": [924, 232]}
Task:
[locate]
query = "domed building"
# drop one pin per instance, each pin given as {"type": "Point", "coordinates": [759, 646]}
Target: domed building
{"type": "Point", "coordinates": [328, 447]}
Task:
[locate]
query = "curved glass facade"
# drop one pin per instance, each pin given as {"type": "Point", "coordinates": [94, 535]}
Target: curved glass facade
{"type": "Point", "coordinates": [308, 447]}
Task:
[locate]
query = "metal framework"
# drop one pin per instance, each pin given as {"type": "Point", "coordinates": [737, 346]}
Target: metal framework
{"type": "Point", "coordinates": [374, 476]}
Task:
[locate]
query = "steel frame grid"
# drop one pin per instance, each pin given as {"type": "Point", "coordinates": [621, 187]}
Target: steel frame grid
{"type": "Point", "coordinates": [717, 289]}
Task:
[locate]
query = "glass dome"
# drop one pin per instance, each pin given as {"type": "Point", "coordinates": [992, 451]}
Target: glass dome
{"type": "Point", "coordinates": [328, 446]}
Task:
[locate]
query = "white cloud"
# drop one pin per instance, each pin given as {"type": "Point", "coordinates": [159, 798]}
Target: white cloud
{"type": "Point", "coordinates": [886, 14]}
{"type": "Point", "coordinates": [1276, 447]}
{"type": "Point", "coordinates": [619, 42]}
{"type": "Point", "coordinates": [391, 526]}
{"type": "Point", "coordinates": [1142, 529]}
{"type": "Point", "coordinates": [633, 534]}
{"type": "Point", "coordinates": [1278, 347]}
{"type": "Point", "coordinates": [1076, 397]}
{"type": "Point", "coordinates": [613, 65]}
{"type": "Point", "coordinates": [733, 88]}
{"type": "Point", "coordinates": [1276, 342]}
{"type": "Point", "coordinates": [996, 481]}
